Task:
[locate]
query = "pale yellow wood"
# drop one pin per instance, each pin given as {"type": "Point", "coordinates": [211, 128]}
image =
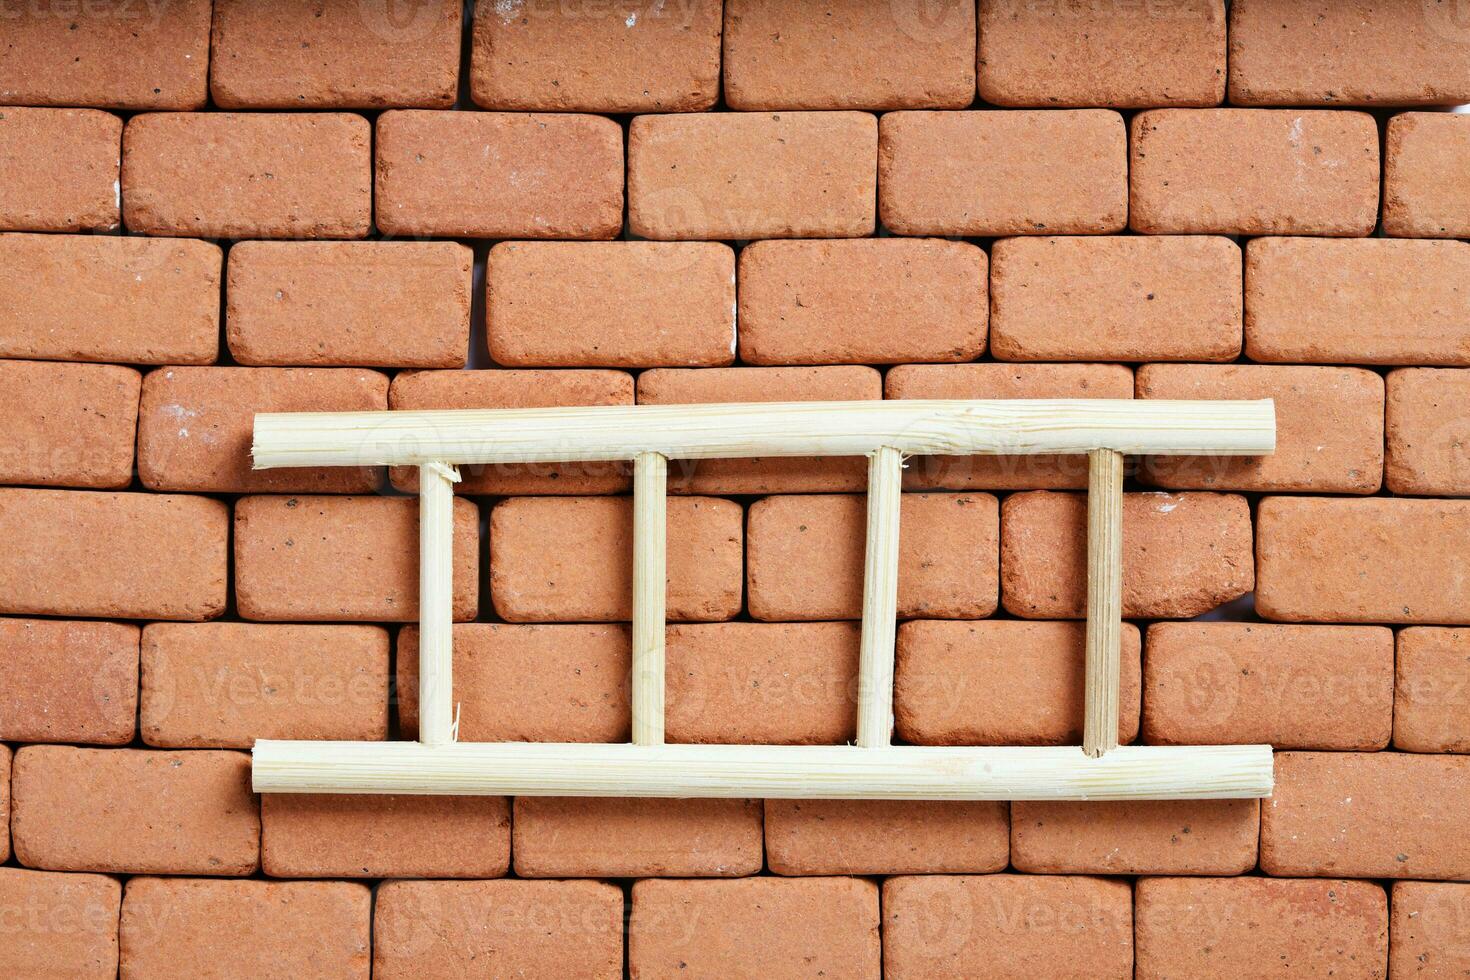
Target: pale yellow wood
{"type": "Point", "coordinates": [764, 771]}
{"type": "Point", "coordinates": [650, 576]}
{"type": "Point", "coordinates": [880, 600]}
{"type": "Point", "coordinates": [609, 432]}
{"type": "Point", "coordinates": [436, 603]}
{"type": "Point", "coordinates": [1104, 600]}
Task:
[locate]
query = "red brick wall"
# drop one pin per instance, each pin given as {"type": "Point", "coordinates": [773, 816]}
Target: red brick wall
{"type": "Point", "coordinates": [211, 210]}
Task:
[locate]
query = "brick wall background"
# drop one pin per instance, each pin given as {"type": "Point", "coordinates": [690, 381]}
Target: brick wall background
{"type": "Point", "coordinates": [266, 205]}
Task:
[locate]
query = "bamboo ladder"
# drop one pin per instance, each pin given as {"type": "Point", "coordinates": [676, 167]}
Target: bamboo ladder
{"type": "Point", "coordinates": [649, 436]}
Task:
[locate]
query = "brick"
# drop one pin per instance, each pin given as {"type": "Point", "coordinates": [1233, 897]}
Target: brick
{"type": "Point", "coordinates": [1125, 298]}
{"type": "Point", "coordinates": [61, 168]}
{"type": "Point", "coordinates": [777, 474]}
{"type": "Point", "coordinates": [636, 57]}
{"type": "Point", "coordinates": [109, 298]}
{"type": "Point", "coordinates": [306, 836]}
{"type": "Point", "coordinates": [1120, 55]}
{"type": "Point", "coordinates": [291, 554]}
{"type": "Point", "coordinates": [1385, 52]}
{"type": "Point", "coordinates": [835, 302]}
{"type": "Point", "coordinates": [1006, 926]}
{"type": "Point", "coordinates": [192, 928]}
{"type": "Point", "coordinates": [1426, 161]}
{"type": "Point", "coordinates": [59, 925]}
{"type": "Point", "coordinates": [1183, 554]}
{"type": "Point", "coordinates": [115, 55]}
{"type": "Point", "coordinates": [1431, 707]}
{"type": "Point", "coordinates": [566, 837]}
{"type": "Point", "coordinates": [529, 683]}
{"type": "Point", "coordinates": [611, 304]}
{"type": "Point", "coordinates": [118, 555]}
{"type": "Point", "coordinates": [224, 685]}
{"type": "Point", "coordinates": [498, 175]}
{"type": "Point", "coordinates": [570, 559]}
{"type": "Point", "coordinates": [517, 389]}
{"type": "Point", "coordinates": [1310, 173]}
{"type": "Point", "coordinates": [1429, 929]}
{"type": "Point", "coordinates": [1190, 837]}
{"type": "Point", "coordinates": [498, 928]}
{"type": "Point", "coordinates": [1358, 302]}
{"type": "Point", "coordinates": [759, 175]}
{"type": "Point", "coordinates": [338, 54]}
{"type": "Point", "coordinates": [824, 927]}
{"type": "Point", "coordinates": [762, 683]}
{"type": "Point", "coordinates": [350, 304]}
{"type": "Point", "coordinates": [805, 557]}
{"type": "Point", "coordinates": [824, 837]}
{"type": "Point", "coordinates": [849, 54]}
{"type": "Point", "coordinates": [1329, 428]}
{"type": "Point", "coordinates": [134, 811]}
{"type": "Point", "coordinates": [1367, 815]}
{"type": "Point", "coordinates": [67, 424]}
{"type": "Point", "coordinates": [5, 766]}
{"type": "Point", "coordinates": [68, 681]}
{"type": "Point", "coordinates": [1003, 381]}
{"type": "Point", "coordinates": [1376, 560]}
{"type": "Point", "coordinates": [988, 173]}
{"type": "Point", "coordinates": [1428, 430]}
{"type": "Point", "coordinates": [948, 691]}
{"type": "Point", "coordinates": [1260, 927]}
{"type": "Point", "coordinates": [196, 426]}
{"type": "Point", "coordinates": [1293, 687]}
{"type": "Point", "coordinates": [248, 175]}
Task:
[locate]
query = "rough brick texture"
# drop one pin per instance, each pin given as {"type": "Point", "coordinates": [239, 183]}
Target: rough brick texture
{"type": "Point", "coordinates": [1383, 560]}
{"type": "Point", "coordinates": [1102, 54]}
{"type": "Point", "coordinates": [122, 555]}
{"type": "Point", "coordinates": [849, 54]}
{"type": "Point", "coordinates": [1126, 298]}
{"type": "Point", "coordinates": [68, 681]}
{"type": "Point", "coordinates": [134, 811]}
{"type": "Point", "coordinates": [1360, 302]}
{"type": "Point", "coordinates": [1214, 837]}
{"type": "Point", "coordinates": [1367, 815]}
{"type": "Point", "coordinates": [1293, 687]}
{"type": "Point", "coordinates": [1329, 428]}
{"type": "Point", "coordinates": [337, 54]}
{"type": "Point", "coordinates": [288, 548]}
{"type": "Point", "coordinates": [626, 838]}
{"type": "Point", "coordinates": [1310, 173]}
{"type": "Point", "coordinates": [752, 175]}
{"type": "Point", "coordinates": [67, 425]}
{"type": "Point", "coordinates": [6, 759]}
{"type": "Point", "coordinates": [776, 474]}
{"type": "Point", "coordinates": [835, 302]}
{"type": "Point", "coordinates": [571, 559]}
{"type": "Point", "coordinates": [1431, 708]}
{"type": "Point", "coordinates": [182, 927]}
{"type": "Point", "coordinates": [1001, 683]}
{"type": "Point", "coordinates": [806, 927]}
{"type": "Point", "coordinates": [1198, 927]}
{"type": "Point", "coordinates": [1006, 925]}
{"type": "Point", "coordinates": [825, 837]}
{"type": "Point", "coordinates": [1426, 157]}
{"type": "Point", "coordinates": [111, 55]}
{"type": "Point", "coordinates": [59, 925]}
{"type": "Point", "coordinates": [195, 426]}
{"type": "Point", "coordinates": [1183, 554]}
{"type": "Point", "coordinates": [248, 175]}
{"type": "Point", "coordinates": [1363, 52]}
{"type": "Point", "coordinates": [1429, 929]}
{"type": "Point", "coordinates": [1428, 432]}
{"type": "Point", "coordinates": [614, 304]}
{"type": "Point", "coordinates": [637, 57]}
{"type": "Point", "coordinates": [1003, 173]}
{"type": "Point", "coordinates": [375, 304]}
{"type": "Point", "coordinates": [498, 175]}
{"type": "Point", "coordinates": [224, 685]}
{"type": "Point", "coordinates": [61, 169]}
{"type": "Point", "coordinates": [804, 559]}
{"type": "Point", "coordinates": [95, 298]}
